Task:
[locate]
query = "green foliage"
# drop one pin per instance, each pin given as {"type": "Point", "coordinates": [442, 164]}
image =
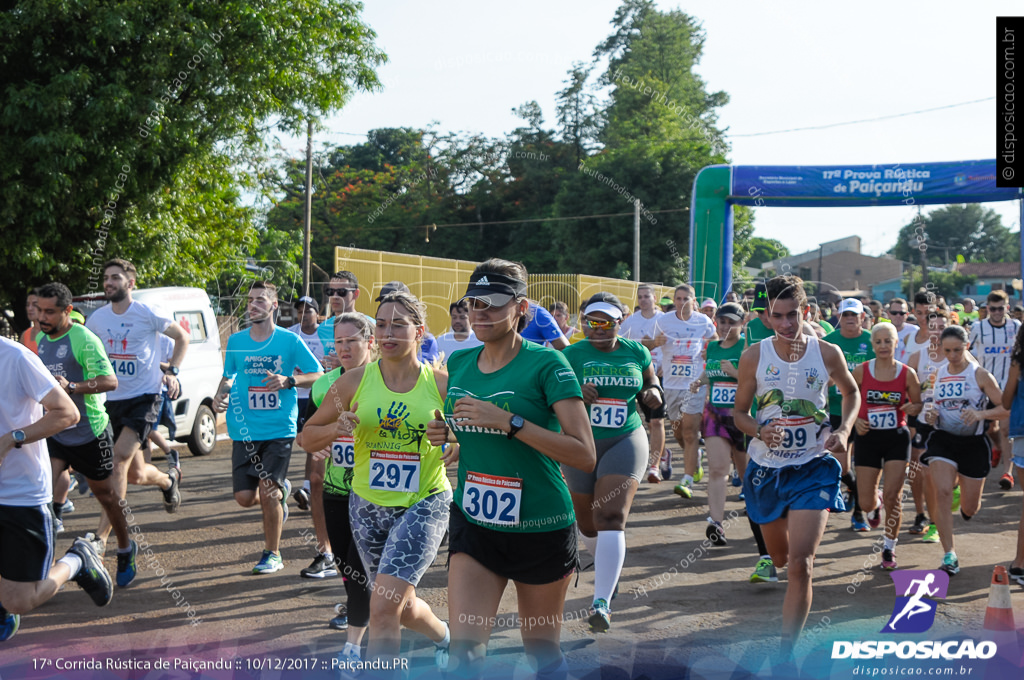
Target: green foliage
{"type": "Point", "coordinates": [971, 230]}
{"type": "Point", "coordinates": [950, 285]}
{"type": "Point", "coordinates": [761, 250]}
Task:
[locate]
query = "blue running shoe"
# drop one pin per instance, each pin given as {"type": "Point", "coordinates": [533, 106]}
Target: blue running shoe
{"type": "Point", "coordinates": [126, 565]}
{"type": "Point", "coordinates": [268, 564]}
{"type": "Point", "coordinates": [286, 491]}
{"type": "Point", "coordinates": [9, 624]}
{"type": "Point", "coordinates": [858, 524]}
{"type": "Point", "coordinates": [600, 617]}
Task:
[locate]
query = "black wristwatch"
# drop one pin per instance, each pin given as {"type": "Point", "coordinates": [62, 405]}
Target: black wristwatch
{"type": "Point", "coordinates": [72, 387]}
{"type": "Point", "coordinates": [173, 370]}
{"type": "Point", "coordinates": [19, 438]}
{"type": "Point", "coordinates": [515, 424]}
{"type": "Point", "coordinates": [291, 381]}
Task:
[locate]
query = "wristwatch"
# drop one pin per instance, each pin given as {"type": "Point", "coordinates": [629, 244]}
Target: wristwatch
{"type": "Point", "coordinates": [173, 370]}
{"type": "Point", "coordinates": [515, 424]}
{"type": "Point", "coordinates": [19, 438]}
{"type": "Point", "coordinates": [72, 387]}
{"type": "Point", "coordinates": [291, 381]}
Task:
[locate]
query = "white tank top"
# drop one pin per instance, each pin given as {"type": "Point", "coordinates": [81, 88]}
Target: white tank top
{"type": "Point", "coordinates": [794, 395]}
{"type": "Point", "coordinates": [927, 368]}
{"type": "Point", "coordinates": [954, 394]}
{"type": "Point", "coordinates": [913, 346]}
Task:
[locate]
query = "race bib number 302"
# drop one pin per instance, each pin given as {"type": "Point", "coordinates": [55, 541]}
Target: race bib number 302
{"type": "Point", "coordinates": [491, 499]}
{"type": "Point", "coordinates": [611, 413]}
{"type": "Point", "coordinates": [395, 471]}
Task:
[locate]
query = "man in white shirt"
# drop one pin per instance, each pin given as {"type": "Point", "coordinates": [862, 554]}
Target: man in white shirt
{"type": "Point", "coordinates": [27, 578]}
{"type": "Point", "coordinates": [898, 311]}
{"type": "Point", "coordinates": [640, 327]}
{"type": "Point", "coordinates": [461, 335]}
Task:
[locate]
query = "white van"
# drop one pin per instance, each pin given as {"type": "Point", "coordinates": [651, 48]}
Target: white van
{"type": "Point", "coordinates": [203, 366]}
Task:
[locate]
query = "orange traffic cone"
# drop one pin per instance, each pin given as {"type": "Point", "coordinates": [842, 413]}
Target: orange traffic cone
{"type": "Point", "coordinates": [999, 613]}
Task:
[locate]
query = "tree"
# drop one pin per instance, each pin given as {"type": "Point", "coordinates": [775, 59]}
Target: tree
{"type": "Point", "coordinates": [578, 115]}
{"type": "Point", "coordinates": [129, 129]}
{"type": "Point", "coordinates": [970, 230]}
{"type": "Point", "coordinates": [950, 285]}
{"type": "Point", "coordinates": [763, 250]}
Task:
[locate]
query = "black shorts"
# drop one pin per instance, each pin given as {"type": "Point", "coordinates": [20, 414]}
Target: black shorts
{"type": "Point", "coordinates": [252, 461]}
{"type": "Point", "coordinates": [649, 413]}
{"type": "Point", "coordinates": [534, 558]}
{"type": "Point", "coordinates": [26, 542]}
{"type": "Point", "coordinates": [921, 436]}
{"type": "Point", "coordinates": [139, 414]}
{"type": "Point", "coordinates": [167, 415]}
{"type": "Point", "coordinates": [970, 455]}
{"type": "Point", "coordinates": [878, 447]}
{"type": "Point", "coordinates": [303, 407]}
{"type": "Point", "coordinates": [93, 459]}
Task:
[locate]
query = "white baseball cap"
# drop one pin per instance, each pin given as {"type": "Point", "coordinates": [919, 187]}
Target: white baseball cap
{"type": "Point", "coordinates": [850, 305]}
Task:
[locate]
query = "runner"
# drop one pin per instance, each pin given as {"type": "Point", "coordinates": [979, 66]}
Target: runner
{"type": "Point", "coordinates": [341, 291]}
{"type": "Point", "coordinates": [889, 390]}
{"type": "Point", "coordinates": [683, 337]}
{"type": "Point", "coordinates": [166, 417]}
{"type": "Point", "coordinates": [262, 367]}
{"type": "Point", "coordinates": [758, 328]}
{"type": "Point", "coordinates": [992, 341]}
{"type": "Point", "coordinates": [613, 372]}
{"type": "Point", "coordinates": [640, 327]}
{"type": "Point", "coordinates": [309, 495]}
{"type": "Point", "coordinates": [399, 510]}
{"type": "Point", "coordinates": [898, 312]}
{"type": "Point", "coordinates": [353, 345]}
{"type": "Point", "coordinates": [792, 481]}
{"type": "Point", "coordinates": [855, 344]}
{"type": "Point", "coordinates": [461, 334]}
{"type": "Point", "coordinates": [27, 578]}
{"type": "Point", "coordinates": [130, 332]}
{"type": "Point", "coordinates": [958, 445]}
{"type": "Point", "coordinates": [1013, 400]}
{"type": "Point", "coordinates": [512, 518]}
{"type": "Point", "coordinates": [28, 338]}
{"type": "Point", "coordinates": [75, 357]}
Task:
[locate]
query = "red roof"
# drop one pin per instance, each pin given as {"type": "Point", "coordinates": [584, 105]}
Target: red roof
{"type": "Point", "coordinates": [990, 269]}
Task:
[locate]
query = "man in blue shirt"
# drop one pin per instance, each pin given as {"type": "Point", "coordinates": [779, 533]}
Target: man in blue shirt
{"type": "Point", "coordinates": [543, 328]}
{"type": "Point", "coordinates": [259, 384]}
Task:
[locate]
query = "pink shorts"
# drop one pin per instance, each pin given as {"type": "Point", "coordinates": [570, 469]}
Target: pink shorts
{"type": "Point", "coordinates": [718, 422]}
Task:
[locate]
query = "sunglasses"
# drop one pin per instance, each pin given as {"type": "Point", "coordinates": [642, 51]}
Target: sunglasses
{"type": "Point", "coordinates": [340, 292]}
{"type": "Point", "coordinates": [997, 309]}
{"type": "Point", "coordinates": [897, 313]}
{"type": "Point", "coordinates": [606, 325]}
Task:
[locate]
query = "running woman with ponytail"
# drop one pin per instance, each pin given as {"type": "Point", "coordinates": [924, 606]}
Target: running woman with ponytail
{"type": "Point", "coordinates": [958, 445]}
{"type": "Point", "coordinates": [399, 508]}
{"type": "Point", "coordinates": [614, 373]}
{"type": "Point", "coordinates": [517, 411]}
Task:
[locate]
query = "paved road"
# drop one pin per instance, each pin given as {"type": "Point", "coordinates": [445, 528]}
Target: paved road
{"type": "Point", "coordinates": [680, 606]}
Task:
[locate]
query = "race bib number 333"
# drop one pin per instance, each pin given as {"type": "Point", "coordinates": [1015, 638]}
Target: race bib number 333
{"type": "Point", "coordinates": [491, 499]}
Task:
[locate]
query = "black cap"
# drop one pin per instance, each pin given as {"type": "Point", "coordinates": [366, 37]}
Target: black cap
{"type": "Point", "coordinates": [493, 288]}
{"type": "Point", "coordinates": [730, 310]}
{"type": "Point", "coordinates": [306, 300]}
{"type": "Point", "coordinates": [760, 298]}
{"type": "Point", "coordinates": [392, 287]}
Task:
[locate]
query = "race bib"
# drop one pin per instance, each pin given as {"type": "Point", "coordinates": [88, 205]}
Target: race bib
{"type": "Point", "coordinates": [610, 413]}
{"type": "Point", "coordinates": [263, 399]}
{"type": "Point", "coordinates": [882, 417]}
{"type": "Point", "coordinates": [724, 394]}
{"type": "Point", "coordinates": [395, 471]}
{"type": "Point", "coordinates": [492, 499]}
{"type": "Point", "coordinates": [682, 367]}
{"type": "Point", "coordinates": [950, 388]}
{"type": "Point", "coordinates": [343, 452]}
{"type": "Point", "coordinates": [124, 364]}
{"type": "Point", "coordinates": [797, 436]}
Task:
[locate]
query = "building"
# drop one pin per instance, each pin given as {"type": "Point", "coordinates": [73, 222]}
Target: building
{"type": "Point", "coordinates": [991, 276]}
{"type": "Point", "coordinates": [838, 265]}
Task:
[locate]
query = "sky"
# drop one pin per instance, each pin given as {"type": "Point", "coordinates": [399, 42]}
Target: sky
{"type": "Point", "coordinates": [785, 64]}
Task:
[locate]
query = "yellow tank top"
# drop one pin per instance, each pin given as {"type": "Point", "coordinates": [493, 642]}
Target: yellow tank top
{"type": "Point", "coordinates": [395, 465]}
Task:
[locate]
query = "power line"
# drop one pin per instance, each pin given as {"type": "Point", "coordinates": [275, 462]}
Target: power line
{"type": "Point", "coordinates": [865, 120]}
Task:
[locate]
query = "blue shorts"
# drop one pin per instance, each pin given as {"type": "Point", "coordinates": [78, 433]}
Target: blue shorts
{"type": "Point", "coordinates": [773, 492]}
{"type": "Point", "coordinates": [1017, 445]}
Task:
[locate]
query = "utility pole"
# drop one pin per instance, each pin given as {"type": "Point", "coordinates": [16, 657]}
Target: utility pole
{"type": "Point", "coordinates": [309, 208]}
{"type": "Point", "coordinates": [636, 240]}
{"type": "Point", "coordinates": [923, 249]}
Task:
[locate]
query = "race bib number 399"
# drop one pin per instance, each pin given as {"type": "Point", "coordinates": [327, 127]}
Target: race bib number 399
{"type": "Point", "coordinates": [492, 499]}
{"type": "Point", "coordinates": [395, 471]}
{"type": "Point", "coordinates": [798, 435]}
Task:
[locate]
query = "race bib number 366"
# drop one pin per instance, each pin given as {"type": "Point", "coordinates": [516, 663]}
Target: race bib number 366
{"type": "Point", "coordinates": [492, 499]}
{"type": "Point", "coordinates": [343, 452]}
{"type": "Point", "coordinates": [394, 471]}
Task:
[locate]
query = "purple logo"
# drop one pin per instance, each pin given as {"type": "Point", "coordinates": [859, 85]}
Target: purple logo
{"type": "Point", "coordinates": [913, 613]}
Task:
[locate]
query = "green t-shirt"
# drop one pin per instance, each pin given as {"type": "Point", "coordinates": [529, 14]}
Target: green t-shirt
{"type": "Point", "coordinates": [722, 392]}
{"type": "Point", "coordinates": [338, 476]}
{"type": "Point", "coordinates": [856, 350]}
{"type": "Point", "coordinates": [618, 376]}
{"type": "Point", "coordinates": [755, 332]}
{"type": "Point", "coordinates": [79, 356]}
{"type": "Point", "coordinates": [829, 328]}
{"type": "Point", "coordinates": [504, 484]}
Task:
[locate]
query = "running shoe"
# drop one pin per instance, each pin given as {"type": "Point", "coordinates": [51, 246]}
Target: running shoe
{"type": "Point", "coordinates": [126, 565]}
{"type": "Point", "coordinates": [92, 577]}
{"type": "Point", "coordinates": [955, 508]}
{"type": "Point", "coordinates": [875, 516]}
{"type": "Point", "coordinates": [699, 474]}
{"type": "Point", "coordinates": [301, 497]}
{"type": "Point", "coordinates": [997, 455]}
{"type": "Point", "coordinates": [340, 621]}
{"type": "Point", "coordinates": [441, 649]}
{"type": "Point", "coordinates": [73, 484]}
{"type": "Point", "coordinates": [653, 476]}
{"type": "Point", "coordinates": [931, 536]}
{"type": "Point", "coordinates": [736, 481]}
{"type": "Point", "coordinates": [58, 526]}
{"type": "Point", "coordinates": [9, 624]}
{"type": "Point", "coordinates": [68, 506]}
{"type": "Point", "coordinates": [857, 522]}
{"type": "Point", "coordinates": [888, 560]}
{"type": "Point", "coordinates": [665, 467]}
{"type": "Point", "coordinates": [268, 564]}
{"type": "Point", "coordinates": [920, 524]}
{"type": "Point", "coordinates": [98, 544]}
{"type": "Point", "coordinates": [286, 491]}
{"type": "Point", "coordinates": [715, 533]}
{"type": "Point", "coordinates": [83, 483]}
{"type": "Point", "coordinates": [1017, 574]}
{"type": "Point", "coordinates": [600, 617]}
{"type": "Point", "coordinates": [742, 496]}
{"type": "Point", "coordinates": [683, 490]}
{"type": "Point", "coordinates": [765, 572]}
{"type": "Point", "coordinates": [347, 660]}
{"type": "Point", "coordinates": [321, 567]}
{"type": "Point", "coordinates": [1006, 482]}
{"type": "Point", "coordinates": [950, 564]}
{"type": "Point", "coordinates": [172, 497]}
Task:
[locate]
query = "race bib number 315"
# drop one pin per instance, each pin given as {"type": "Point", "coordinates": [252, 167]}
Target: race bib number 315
{"type": "Point", "coordinates": [611, 413]}
{"type": "Point", "coordinates": [492, 499]}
